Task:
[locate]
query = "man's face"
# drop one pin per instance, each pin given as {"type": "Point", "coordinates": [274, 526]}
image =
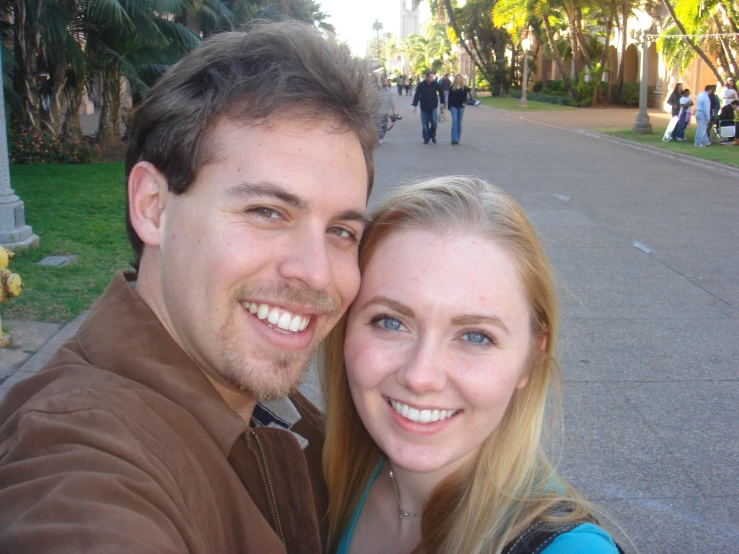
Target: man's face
{"type": "Point", "coordinates": [429, 77]}
{"type": "Point", "coordinates": [259, 258]}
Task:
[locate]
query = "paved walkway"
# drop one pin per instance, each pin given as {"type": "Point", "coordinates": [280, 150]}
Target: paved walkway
{"type": "Point", "coordinates": [645, 249]}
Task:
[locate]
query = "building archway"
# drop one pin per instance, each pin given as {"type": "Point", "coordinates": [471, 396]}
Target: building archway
{"type": "Point", "coordinates": [631, 64]}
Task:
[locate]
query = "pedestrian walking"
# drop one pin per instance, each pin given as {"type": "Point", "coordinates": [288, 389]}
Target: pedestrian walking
{"type": "Point", "coordinates": [408, 85]}
{"type": "Point", "coordinates": [168, 422]}
{"type": "Point", "coordinates": [430, 96]}
{"type": "Point", "coordinates": [400, 83]}
{"type": "Point", "coordinates": [703, 116]}
{"type": "Point", "coordinates": [445, 83]}
{"type": "Point", "coordinates": [387, 107]}
{"type": "Point", "coordinates": [456, 101]}
{"type": "Point", "coordinates": [683, 116]}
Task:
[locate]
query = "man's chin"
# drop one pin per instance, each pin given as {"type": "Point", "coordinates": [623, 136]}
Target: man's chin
{"type": "Point", "coordinates": [267, 380]}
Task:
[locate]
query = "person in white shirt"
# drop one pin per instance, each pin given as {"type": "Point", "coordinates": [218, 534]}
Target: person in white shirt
{"type": "Point", "coordinates": [683, 116]}
{"type": "Point", "coordinates": [703, 116]}
{"type": "Point", "coordinates": [729, 93]}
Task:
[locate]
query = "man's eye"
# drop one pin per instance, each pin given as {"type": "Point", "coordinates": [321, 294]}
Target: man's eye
{"type": "Point", "coordinates": [477, 338]}
{"type": "Point", "coordinates": [266, 212]}
{"type": "Point", "coordinates": [341, 232]}
{"type": "Point", "coordinates": [388, 323]}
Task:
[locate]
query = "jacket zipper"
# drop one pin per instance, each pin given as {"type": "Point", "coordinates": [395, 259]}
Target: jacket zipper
{"type": "Point", "coordinates": [271, 489]}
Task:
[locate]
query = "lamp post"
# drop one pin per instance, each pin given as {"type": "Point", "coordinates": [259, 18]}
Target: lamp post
{"type": "Point", "coordinates": [641, 123]}
{"type": "Point", "coordinates": [525, 44]}
{"type": "Point", "coordinates": [14, 233]}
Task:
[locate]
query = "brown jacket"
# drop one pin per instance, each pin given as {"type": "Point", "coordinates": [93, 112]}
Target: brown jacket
{"type": "Point", "coordinates": [121, 444]}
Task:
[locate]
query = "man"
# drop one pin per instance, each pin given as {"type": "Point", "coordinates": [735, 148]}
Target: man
{"type": "Point", "coordinates": [446, 84]}
{"type": "Point", "coordinates": [400, 81]}
{"type": "Point", "coordinates": [426, 94]}
{"type": "Point", "coordinates": [703, 116]}
{"type": "Point", "coordinates": [249, 167]}
{"type": "Point", "coordinates": [387, 107]}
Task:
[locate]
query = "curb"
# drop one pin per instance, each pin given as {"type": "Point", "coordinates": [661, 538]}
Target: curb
{"type": "Point", "coordinates": [44, 354]}
{"type": "Point", "coordinates": [703, 164]}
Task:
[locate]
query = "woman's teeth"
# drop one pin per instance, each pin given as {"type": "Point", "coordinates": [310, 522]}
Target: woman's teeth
{"type": "Point", "coordinates": [278, 316]}
{"type": "Point", "coordinates": [421, 416]}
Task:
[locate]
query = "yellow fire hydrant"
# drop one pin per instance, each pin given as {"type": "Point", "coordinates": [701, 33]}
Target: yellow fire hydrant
{"type": "Point", "coordinates": [10, 287]}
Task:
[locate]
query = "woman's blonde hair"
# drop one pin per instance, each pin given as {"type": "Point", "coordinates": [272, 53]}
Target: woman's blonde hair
{"type": "Point", "coordinates": [454, 82]}
{"type": "Point", "coordinates": [484, 506]}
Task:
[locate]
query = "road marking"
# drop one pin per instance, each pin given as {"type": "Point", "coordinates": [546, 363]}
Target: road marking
{"type": "Point", "coordinates": [643, 247]}
{"type": "Point", "coordinates": [562, 197]}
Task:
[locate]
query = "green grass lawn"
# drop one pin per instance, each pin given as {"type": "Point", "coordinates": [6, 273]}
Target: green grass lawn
{"type": "Point", "coordinates": [511, 104]}
{"type": "Point", "coordinates": [728, 155]}
{"type": "Point", "coordinates": [74, 209]}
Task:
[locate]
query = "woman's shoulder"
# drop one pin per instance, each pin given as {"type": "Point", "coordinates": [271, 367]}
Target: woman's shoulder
{"type": "Point", "coordinates": [585, 538]}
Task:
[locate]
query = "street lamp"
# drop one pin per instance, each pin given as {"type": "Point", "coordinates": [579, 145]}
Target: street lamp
{"type": "Point", "coordinates": [642, 124]}
{"type": "Point", "coordinates": [525, 44]}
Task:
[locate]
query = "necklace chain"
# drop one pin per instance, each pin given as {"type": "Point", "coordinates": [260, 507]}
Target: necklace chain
{"type": "Point", "coordinates": [402, 514]}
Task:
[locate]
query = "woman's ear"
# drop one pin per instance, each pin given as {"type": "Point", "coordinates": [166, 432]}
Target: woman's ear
{"type": "Point", "coordinates": [147, 193]}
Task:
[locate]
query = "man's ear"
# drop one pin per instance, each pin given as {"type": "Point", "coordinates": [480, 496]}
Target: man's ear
{"type": "Point", "coordinates": [147, 194]}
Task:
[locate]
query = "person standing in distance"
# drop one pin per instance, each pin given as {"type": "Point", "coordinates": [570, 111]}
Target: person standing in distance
{"type": "Point", "coordinates": [429, 95]}
{"type": "Point", "coordinates": [387, 107]}
{"type": "Point", "coordinates": [703, 116]}
{"type": "Point", "coordinates": [163, 426]}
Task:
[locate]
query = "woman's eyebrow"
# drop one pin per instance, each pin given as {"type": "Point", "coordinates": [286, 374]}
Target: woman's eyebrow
{"type": "Point", "coordinates": [390, 303]}
{"type": "Point", "coordinates": [474, 319]}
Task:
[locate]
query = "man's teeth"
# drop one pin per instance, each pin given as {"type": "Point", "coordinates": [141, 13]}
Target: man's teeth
{"type": "Point", "coordinates": [278, 316]}
{"type": "Point", "coordinates": [421, 416]}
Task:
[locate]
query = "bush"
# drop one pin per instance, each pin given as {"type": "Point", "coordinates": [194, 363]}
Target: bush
{"type": "Point", "coordinates": [630, 94]}
{"type": "Point", "coordinates": [30, 147]}
{"type": "Point", "coordinates": [558, 100]}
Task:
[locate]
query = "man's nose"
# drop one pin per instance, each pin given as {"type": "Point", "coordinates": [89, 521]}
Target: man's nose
{"type": "Point", "coordinates": [308, 260]}
{"type": "Point", "coordinates": [424, 369]}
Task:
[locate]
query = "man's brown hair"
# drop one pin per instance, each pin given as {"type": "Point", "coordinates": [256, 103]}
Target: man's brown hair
{"type": "Point", "coordinates": [271, 72]}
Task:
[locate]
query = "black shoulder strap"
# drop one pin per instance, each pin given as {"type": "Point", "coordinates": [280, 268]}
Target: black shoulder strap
{"type": "Point", "coordinates": [537, 537]}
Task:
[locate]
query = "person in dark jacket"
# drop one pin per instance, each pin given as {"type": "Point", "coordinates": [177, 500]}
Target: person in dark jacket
{"type": "Point", "coordinates": [426, 94]}
{"type": "Point", "coordinates": [674, 99]}
{"type": "Point", "coordinates": [728, 113]}
{"type": "Point", "coordinates": [456, 102]}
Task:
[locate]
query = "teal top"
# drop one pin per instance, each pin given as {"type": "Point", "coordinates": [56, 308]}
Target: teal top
{"type": "Point", "coordinates": [583, 539]}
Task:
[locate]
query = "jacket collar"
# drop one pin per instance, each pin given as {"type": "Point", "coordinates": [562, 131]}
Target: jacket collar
{"type": "Point", "coordinates": [122, 335]}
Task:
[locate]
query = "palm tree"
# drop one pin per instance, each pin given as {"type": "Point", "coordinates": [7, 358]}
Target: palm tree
{"type": "Point", "coordinates": [377, 27]}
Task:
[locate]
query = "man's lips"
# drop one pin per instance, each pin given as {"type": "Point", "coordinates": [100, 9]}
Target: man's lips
{"type": "Point", "coordinates": [278, 316]}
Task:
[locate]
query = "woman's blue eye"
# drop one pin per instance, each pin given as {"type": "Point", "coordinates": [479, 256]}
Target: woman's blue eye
{"type": "Point", "coordinates": [390, 323]}
{"type": "Point", "coordinates": [476, 338]}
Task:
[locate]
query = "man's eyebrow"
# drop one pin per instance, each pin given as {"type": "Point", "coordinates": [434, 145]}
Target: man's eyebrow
{"type": "Point", "coordinates": [353, 215]}
{"type": "Point", "coordinates": [474, 319]}
{"type": "Point", "coordinates": [246, 191]}
{"type": "Point", "coordinates": [390, 303]}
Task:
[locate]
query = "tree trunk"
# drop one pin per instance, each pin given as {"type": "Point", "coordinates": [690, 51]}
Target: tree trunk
{"type": "Point", "coordinates": [731, 16]}
{"type": "Point", "coordinates": [109, 127]}
{"type": "Point", "coordinates": [692, 44]}
{"type": "Point", "coordinates": [626, 9]}
{"type": "Point", "coordinates": [544, 70]}
{"type": "Point", "coordinates": [26, 55]}
{"type": "Point", "coordinates": [51, 118]}
{"type": "Point", "coordinates": [731, 66]}
{"type": "Point", "coordinates": [453, 22]}
{"type": "Point", "coordinates": [72, 127]}
{"type": "Point", "coordinates": [603, 59]}
{"type": "Point", "coordinates": [558, 57]}
{"type": "Point", "coordinates": [581, 38]}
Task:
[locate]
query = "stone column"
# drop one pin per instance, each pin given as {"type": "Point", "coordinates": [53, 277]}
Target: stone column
{"type": "Point", "coordinates": [14, 233]}
{"type": "Point", "coordinates": [641, 123]}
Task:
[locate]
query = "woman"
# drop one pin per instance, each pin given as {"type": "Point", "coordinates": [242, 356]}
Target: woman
{"type": "Point", "coordinates": [436, 384]}
{"type": "Point", "coordinates": [729, 93]}
{"type": "Point", "coordinates": [674, 99]}
{"type": "Point", "coordinates": [456, 102]}
{"type": "Point", "coordinates": [387, 107]}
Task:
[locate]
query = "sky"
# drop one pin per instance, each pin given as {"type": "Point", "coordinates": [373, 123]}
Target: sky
{"type": "Point", "coordinates": [353, 20]}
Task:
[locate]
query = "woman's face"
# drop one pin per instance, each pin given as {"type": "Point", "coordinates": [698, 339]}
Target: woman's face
{"type": "Point", "coordinates": [437, 342]}
{"type": "Point", "coordinates": [458, 81]}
